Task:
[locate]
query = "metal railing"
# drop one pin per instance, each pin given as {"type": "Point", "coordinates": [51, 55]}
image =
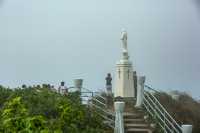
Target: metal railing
{"type": "Point", "coordinates": [99, 102]}
{"type": "Point", "coordinates": [159, 113]}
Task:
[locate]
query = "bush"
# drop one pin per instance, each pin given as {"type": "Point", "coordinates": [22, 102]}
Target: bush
{"type": "Point", "coordinates": [35, 109]}
{"type": "Point", "coordinates": [185, 110]}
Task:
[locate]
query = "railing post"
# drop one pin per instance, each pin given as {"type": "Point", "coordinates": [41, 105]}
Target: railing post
{"type": "Point", "coordinates": [78, 84]}
{"type": "Point", "coordinates": [119, 120]}
{"type": "Point", "coordinates": [186, 128]}
{"type": "Point", "coordinates": [140, 91]}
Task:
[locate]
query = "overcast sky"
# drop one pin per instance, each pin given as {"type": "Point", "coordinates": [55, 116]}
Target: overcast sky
{"type": "Point", "coordinates": [47, 41]}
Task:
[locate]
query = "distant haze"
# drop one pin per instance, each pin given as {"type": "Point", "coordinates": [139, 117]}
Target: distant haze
{"type": "Point", "coordinates": [47, 41]}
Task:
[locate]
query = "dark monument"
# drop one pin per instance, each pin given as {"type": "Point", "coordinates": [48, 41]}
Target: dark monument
{"type": "Point", "coordinates": [109, 84]}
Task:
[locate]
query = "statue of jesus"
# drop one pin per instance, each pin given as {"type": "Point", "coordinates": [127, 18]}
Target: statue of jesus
{"type": "Point", "coordinates": [124, 40]}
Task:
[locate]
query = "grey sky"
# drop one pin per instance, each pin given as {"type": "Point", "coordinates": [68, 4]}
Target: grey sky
{"type": "Point", "coordinates": [49, 41]}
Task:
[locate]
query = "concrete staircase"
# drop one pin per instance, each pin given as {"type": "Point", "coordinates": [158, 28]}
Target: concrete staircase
{"type": "Point", "coordinates": [134, 121]}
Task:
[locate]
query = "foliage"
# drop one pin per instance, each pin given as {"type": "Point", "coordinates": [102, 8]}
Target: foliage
{"type": "Point", "coordinates": [4, 95]}
{"type": "Point", "coordinates": [42, 110]}
{"type": "Point", "coordinates": [15, 118]}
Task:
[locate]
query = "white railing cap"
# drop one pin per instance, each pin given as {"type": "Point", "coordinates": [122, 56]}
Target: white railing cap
{"type": "Point", "coordinates": [119, 106]}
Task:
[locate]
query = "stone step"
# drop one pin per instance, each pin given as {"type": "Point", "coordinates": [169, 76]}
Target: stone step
{"type": "Point", "coordinates": [138, 130]}
{"type": "Point", "coordinates": [137, 120]}
{"type": "Point", "coordinates": [133, 110]}
{"type": "Point", "coordinates": [130, 125]}
{"type": "Point", "coordinates": [132, 115]}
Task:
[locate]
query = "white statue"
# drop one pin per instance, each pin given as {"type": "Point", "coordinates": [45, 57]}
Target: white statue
{"type": "Point", "coordinates": [124, 40]}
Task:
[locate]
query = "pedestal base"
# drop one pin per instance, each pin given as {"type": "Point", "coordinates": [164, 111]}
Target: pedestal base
{"type": "Point", "coordinates": [124, 80]}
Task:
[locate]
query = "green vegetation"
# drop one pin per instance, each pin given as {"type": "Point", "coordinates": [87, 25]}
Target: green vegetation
{"type": "Point", "coordinates": [41, 110]}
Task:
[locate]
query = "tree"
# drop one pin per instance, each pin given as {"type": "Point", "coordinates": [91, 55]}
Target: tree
{"type": "Point", "coordinates": [15, 119]}
{"type": "Point", "coordinates": [35, 110]}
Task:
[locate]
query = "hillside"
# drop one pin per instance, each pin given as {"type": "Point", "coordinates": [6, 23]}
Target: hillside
{"type": "Point", "coordinates": [40, 109]}
{"type": "Point", "coordinates": [185, 109]}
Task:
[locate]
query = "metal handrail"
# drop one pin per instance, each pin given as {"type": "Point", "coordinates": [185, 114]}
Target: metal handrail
{"type": "Point", "coordinates": [98, 98]}
{"type": "Point", "coordinates": [150, 88]}
{"type": "Point", "coordinates": [160, 112]}
{"type": "Point", "coordinates": [166, 112]}
{"type": "Point", "coordinates": [94, 97]}
{"type": "Point", "coordinates": [94, 93]}
{"type": "Point", "coordinates": [163, 114]}
{"type": "Point", "coordinates": [88, 91]}
{"type": "Point", "coordinates": [157, 114]}
{"type": "Point", "coordinates": [152, 115]}
{"type": "Point", "coordinates": [106, 112]}
{"type": "Point", "coordinates": [164, 109]}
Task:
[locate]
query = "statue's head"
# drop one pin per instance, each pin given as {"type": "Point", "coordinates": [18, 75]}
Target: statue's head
{"type": "Point", "coordinates": [123, 34]}
{"type": "Point", "coordinates": [123, 30]}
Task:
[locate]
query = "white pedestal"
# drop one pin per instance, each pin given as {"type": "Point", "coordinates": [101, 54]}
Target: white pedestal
{"type": "Point", "coordinates": [124, 86]}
